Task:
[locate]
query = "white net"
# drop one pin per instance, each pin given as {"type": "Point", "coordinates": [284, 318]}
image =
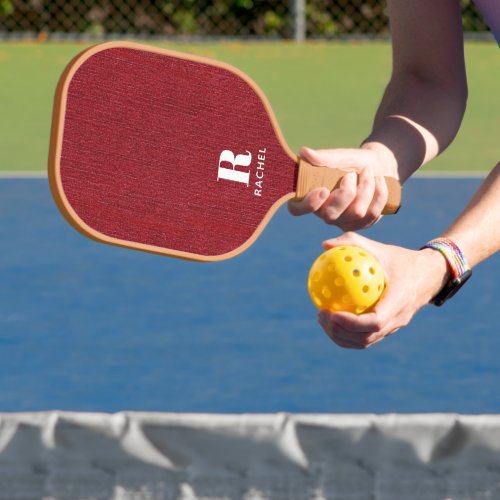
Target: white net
{"type": "Point", "coordinates": [153, 456]}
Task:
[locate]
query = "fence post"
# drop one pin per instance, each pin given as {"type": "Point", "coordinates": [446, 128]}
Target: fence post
{"type": "Point", "coordinates": [299, 20]}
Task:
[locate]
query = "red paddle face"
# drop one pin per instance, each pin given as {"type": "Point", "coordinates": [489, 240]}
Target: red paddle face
{"type": "Point", "coordinates": [154, 151]}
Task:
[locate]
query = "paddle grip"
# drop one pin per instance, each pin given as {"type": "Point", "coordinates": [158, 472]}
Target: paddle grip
{"type": "Point", "coordinates": [311, 177]}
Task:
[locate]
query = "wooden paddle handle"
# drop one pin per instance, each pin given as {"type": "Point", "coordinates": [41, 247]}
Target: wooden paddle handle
{"type": "Point", "coordinates": [311, 177]}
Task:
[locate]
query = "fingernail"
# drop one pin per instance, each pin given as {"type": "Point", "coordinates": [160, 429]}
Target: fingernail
{"type": "Point", "coordinates": [323, 194]}
{"type": "Point", "coordinates": [306, 150]}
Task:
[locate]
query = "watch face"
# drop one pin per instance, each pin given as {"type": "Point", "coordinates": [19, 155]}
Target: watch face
{"type": "Point", "coordinates": [451, 288]}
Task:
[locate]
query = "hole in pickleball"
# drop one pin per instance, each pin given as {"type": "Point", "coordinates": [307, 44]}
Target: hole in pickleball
{"type": "Point", "coordinates": [362, 254]}
{"type": "Point", "coordinates": [339, 281]}
{"type": "Point", "coordinates": [346, 299]}
{"type": "Point", "coordinates": [372, 270]}
{"type": "Point", "coordinates": [327, 293]}
{"type": "Point", "coordinates": [317, 276]}
{"type": "Point", "coordinates": [366, 289]}
{"type": "Point", "coordinates": [348, 258]}
{"type": "Point", "coordinates": [356, 273]}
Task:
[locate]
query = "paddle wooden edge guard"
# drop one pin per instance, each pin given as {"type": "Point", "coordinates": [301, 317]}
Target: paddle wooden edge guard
{"type": "Point", "coordinates": [311, 177]}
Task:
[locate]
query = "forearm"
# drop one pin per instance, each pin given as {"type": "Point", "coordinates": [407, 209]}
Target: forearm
{"type": "Point", "coordinates": [477, 230]}
{"type": "Point", "coordinates": [424, 103]}
{"type": "Point", "coordinates": [416, 121]}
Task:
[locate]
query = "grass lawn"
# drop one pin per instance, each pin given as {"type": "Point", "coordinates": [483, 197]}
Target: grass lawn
{"type": "Point", "coordinates": [324, 95]}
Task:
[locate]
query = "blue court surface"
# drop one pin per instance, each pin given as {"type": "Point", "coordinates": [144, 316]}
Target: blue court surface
{"type": "Point", "coordinates": [90, 327]}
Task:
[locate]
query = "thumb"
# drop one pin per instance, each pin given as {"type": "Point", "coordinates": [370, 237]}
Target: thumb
{"type": "Point", "coordinates": [348, 159]}
{"type": "Point", "coordinates": [349, 238]}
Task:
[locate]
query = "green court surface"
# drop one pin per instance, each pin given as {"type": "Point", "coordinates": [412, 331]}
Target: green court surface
{"type": "Point", "coordinates": [324, 95]}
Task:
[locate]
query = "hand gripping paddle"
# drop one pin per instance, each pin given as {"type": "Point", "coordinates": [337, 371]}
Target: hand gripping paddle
{"type": "Point", "coordinates": [172, 153]}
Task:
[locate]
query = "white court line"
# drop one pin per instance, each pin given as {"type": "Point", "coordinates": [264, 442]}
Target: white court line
{"type": "Point", "coordinates": [33, 174]}
{"type": "Point", "coordinates": [454, 174]}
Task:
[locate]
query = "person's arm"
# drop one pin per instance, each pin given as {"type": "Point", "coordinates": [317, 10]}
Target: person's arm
{"type": "Point", "coordinates": [477, 230]}
{"type": "Point", "coordinates": [424, 103]}
{"type": "Point", "coordinates": [419, 115]}
{"type": "Point", "coordinates": [414, 277]}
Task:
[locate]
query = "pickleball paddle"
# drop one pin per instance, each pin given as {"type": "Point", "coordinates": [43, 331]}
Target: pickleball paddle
{"type": "Point", "coordinates": [172, 153]}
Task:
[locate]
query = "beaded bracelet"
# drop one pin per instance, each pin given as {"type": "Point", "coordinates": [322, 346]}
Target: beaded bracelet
{"type": "Point", "coordinates": [452, 254]}
{"type": "Point", "coordinates": [459, 267]}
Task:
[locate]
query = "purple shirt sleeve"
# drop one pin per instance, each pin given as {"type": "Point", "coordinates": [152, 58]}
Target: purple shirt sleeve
{"type": "Point", "coordinates": [490, 9]}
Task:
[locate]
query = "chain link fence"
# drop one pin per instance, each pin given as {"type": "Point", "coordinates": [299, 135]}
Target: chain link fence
{"type": "Point", "coordinates": [284, 19]}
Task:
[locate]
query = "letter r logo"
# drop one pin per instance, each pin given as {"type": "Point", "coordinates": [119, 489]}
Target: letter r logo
{"type": "Point", "coordinates": [232, 174]}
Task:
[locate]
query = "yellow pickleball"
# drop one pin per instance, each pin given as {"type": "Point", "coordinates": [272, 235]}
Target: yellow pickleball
{"type": "Point", "coordinates": [346, 278]}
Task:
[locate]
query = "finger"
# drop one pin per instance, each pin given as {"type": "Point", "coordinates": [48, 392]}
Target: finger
{"type": "Point", "coordinates": [352, 159]}
{"type": "Point", "coordinates": [384, 319]}
{"type": "Point", "coordinates": [315, 157]}
{"type": "Point", "coordinates": [348, 238]}
{"type": "Point", "coordinates": [380, 197]}
{"type": "Point", "coordinates": [378, 337]}
{"type": "Point", "coordinates": [371, 343]}
{"type": "Point", "coordinates": [340, 199]}
{"type": "Point", "coordinates": [361, 340]}
{"type": "Point", "coordinates": [356, 215]}
{"type": "Point", "coordinates": [311, 203]}
{"type": "Point", "coordinates": [374, 211]}
{"type": "Point", "coordinates": [339, 335]}
{"type": "Point", "coordinates": [345, 344]}
{"type": "Point", "coordinates": [364, 196]}
{"type": "Point", "coordinates": [314, 200]}
{"type": "Point", "coordinates": [348, 338]}
{"type": "Point", "coordinates": [354, 341]}
{"type": "Point", "coordinates": [362, 324]}
{"type": "Point", "coordinates": [341, 341]}
{"type": "Point", "coordinates": [357, 224]}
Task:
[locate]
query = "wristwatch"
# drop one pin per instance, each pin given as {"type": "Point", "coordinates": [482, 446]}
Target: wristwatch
{"type": "Point", "coordinates": [460, 270]}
